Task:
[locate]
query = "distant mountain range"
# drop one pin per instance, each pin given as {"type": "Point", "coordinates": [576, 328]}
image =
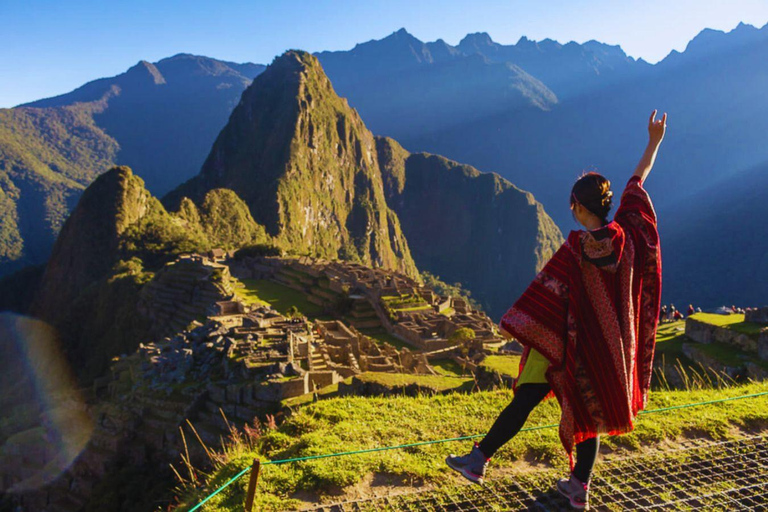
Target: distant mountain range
{"type": "Point", "coordinates": [161, 118]}
{"type": "Point", "coordinates": [537, 113]}
{"type": "Point", "coordinates": [594, 117]}
{"type": "Point", "coordinates": [713, 91]}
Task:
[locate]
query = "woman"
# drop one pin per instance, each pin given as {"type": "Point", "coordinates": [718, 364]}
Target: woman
{"type": "Point", "coordinates": [588, 324]}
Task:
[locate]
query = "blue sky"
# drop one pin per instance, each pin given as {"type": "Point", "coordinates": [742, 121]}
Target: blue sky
{"type": "Point", "coordinates": [49, 47]}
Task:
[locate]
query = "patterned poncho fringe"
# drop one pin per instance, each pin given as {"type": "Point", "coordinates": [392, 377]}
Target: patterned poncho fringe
{"type": "Point", "coordinates": [592, 311]}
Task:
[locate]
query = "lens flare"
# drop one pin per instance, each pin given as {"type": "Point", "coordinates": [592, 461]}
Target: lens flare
{"type": "Point", "coordinates": [45, 423]}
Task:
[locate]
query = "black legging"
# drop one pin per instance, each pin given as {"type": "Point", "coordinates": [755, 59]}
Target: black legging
{"type": "Point", "coordinates": [512, 418]}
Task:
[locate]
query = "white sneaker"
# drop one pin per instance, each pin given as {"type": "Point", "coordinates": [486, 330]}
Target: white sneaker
{"type": "Point", "coordinates": [576, 491]}
{"type": "Point", "coordinates": [471, 466]}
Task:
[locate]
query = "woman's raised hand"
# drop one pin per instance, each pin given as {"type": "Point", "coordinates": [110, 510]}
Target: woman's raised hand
{"type": "Point", "coordinates": [656, 129]}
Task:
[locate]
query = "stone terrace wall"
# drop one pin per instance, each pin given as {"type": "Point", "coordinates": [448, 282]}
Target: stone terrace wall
{"type": "Point", "coordinates": [757, 315]}
{"type": "Point", "coordinates": [703, 332]}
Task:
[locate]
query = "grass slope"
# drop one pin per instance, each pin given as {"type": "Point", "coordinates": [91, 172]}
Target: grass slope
{"type": "Point", "coordinates": [354, 423]}
{"type": "Point", "coordinates": [280, 297]}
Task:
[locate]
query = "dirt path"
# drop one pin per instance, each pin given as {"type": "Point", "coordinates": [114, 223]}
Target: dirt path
{"type": "Point", "coordinates": [727, 475]}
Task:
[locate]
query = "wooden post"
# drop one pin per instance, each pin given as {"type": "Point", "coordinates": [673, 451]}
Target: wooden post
{"type": "Point", "coordinates": [252, 485]}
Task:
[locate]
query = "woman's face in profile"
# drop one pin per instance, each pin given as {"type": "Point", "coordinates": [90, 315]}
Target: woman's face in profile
{"type": "Point", "coordinates": [579, 213]}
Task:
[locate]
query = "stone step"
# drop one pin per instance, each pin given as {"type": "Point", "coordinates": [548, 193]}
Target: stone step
{"type": "Point", "coordinates": [325, 293]}
{"type": "Point", "coordinates": [365, 323]}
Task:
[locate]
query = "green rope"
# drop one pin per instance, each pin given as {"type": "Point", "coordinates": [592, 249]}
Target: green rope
{"type": "Point", "coordinates": [236, 477]}
{"type": "Point", "coordinates": [462, 438]}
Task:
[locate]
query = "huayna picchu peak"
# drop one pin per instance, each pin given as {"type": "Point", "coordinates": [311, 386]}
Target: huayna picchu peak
{"type": "Point", "coordinates": [321, 184]}
{"type": "Point", "coordinates": [306, 166]}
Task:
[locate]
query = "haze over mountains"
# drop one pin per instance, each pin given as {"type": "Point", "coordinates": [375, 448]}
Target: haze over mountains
{"type": "Point", "coordinates": [537, 113]}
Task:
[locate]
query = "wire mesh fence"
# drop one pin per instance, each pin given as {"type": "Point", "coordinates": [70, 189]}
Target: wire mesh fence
{"type": "Point", "coordinates": [715, 476]}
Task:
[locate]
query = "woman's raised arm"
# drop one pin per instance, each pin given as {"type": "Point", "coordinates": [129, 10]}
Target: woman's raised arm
{"type": "Point", "coordinates": [656, 130]}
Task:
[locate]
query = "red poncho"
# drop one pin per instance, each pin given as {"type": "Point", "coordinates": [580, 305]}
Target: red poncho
{"type": "Point", "coordinates": [592, 311]}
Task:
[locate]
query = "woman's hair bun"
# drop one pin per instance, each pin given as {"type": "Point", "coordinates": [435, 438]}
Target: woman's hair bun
{"type": "Point", "coordinates": [607, 198]}
{"type": "Point", "coordinates": [593, 191]}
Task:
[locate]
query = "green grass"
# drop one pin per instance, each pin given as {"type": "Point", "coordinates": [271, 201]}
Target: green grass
{"type": "Point", "coordinates": [280, 297]}
{"type": "Point", "coordinates": [504, 364]}
{"type": "Point", "coordinates": [734, 322]}
{"type": "Point", "coordinates": [437, 382]}
{"type": "Point", "coordinates": [405, 302]}
{"type": "Point", "coordinates": [327, 391]}
{"type": "Point", "coordinates": [415, 308]}
{"type": "Point", "coordinates": [448, 367]}
{"type": "Point", "coordinates": [384, 337]}
{"type": "Point", "coordinates": [353, 423]}
{"type": "Point", "coordinates": [669, 343]}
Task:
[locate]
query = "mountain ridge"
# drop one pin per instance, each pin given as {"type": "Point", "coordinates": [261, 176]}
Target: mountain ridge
{"type": "Point", "coordinates": [159, 118]}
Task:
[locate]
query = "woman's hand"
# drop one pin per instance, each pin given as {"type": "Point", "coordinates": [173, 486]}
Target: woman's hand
{"type": "Point", "coordinates": [656, 129]}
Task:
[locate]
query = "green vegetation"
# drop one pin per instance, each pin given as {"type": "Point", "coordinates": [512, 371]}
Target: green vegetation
{"type": "Point", "coordinates": [326, 392]}
{"type": "Point", "coordinates": [352, 423]}
{"type": "Point", "coordinates": [228, 223]}
{"type": "Point", "coordinates": [406, 302]}
{"type": "Point", "coordinates": [47, 157]}
{"type": "Point", "coordinates": [383, 336]}
{"type": "Point", "coordinates": [436, 382]}
{"type": "Point", "coordinates": [462, 335]}
{"type": "Point", "coordinates": [448, 367]}
{"type": "Point", "coordinates": [503, 364]}
{"type": "Point", "coordinates": [158, 237]}
{"type": "Point", "coordinates": [104, 322]}
{"type": "Point", "coordinates": [450, 290]}
{"type": "Point", "coordinates": [257, 250]}
{"type": "Point", "coordinates": [280, 297]}
{"type": "Point", "coordinates": [669, 343]}
{"type": "Point", "coordinates": [734, 322]}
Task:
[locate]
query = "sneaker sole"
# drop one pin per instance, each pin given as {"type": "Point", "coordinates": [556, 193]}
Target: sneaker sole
{"type": "Point", "coordinates": [577, 506]}
{"type": "Point", "coordinates": [466, 474]}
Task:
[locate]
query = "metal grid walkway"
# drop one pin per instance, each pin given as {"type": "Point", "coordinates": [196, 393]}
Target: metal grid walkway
{"type": "Point", "coordinates": [716, 476]}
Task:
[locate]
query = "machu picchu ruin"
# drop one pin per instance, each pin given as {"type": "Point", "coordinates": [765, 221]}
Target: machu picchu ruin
{"type": "Point", "coordinates": [219, 358]}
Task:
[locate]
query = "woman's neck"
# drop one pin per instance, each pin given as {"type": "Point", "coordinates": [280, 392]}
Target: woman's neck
{"type": "Point", "coordinates": [593, 223]}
